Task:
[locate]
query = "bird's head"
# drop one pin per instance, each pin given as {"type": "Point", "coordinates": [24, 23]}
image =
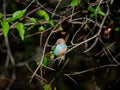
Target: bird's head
{"type": "Point", "coordinates": [60, 40]}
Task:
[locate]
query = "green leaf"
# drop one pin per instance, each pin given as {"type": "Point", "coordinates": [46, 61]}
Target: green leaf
{"type": "Point", "coordinates": [5, 28]}
{"type": "Point", "coordinates": [100, 12]}
{"type": "Point", "coordinates": [117, 29]}
{"type": "Point", "coordinates": [46, 17]}
{"type": "Point", "coordinates": [47, 87]}
{"type": "Point", "coordinates": [8, 19]}
{"type": "Point", "coordinates": [51, 23]}
{"type": "Point", "coordinates": [21, 30]}
{"type": "Point", "coordinates": [41, 28]}
{"type": "Point", "coordinates": [52, 55]}
{"type": "Point", "coordinates": [18, 14]}
{"type": "Point", "coordinates": [44, 14]}
{"type": "Point", "coordinates": [37, 62]}
{"type": "Point", "coordinates": [75, 2]}
{"type": "Point", "coordinates": [92, 15]}
{"type": "Point", "coordinates": [30, 27]}
{"type": "Point", "coordinates": [90, 8]}
{"type": "Point", "coordinates": [33, 20]}
{"type": "Point", "coordinates": [41, 12]}
{"type": "Point", "coordinates": [60, 28]}
{"type": "Point", "coordinates": [45, 61]}
{"type": "Point", "coordinates": [1, 15]}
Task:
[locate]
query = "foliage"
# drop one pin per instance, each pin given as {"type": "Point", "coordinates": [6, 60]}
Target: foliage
{"type": "Point", "coordinates": [117, 29]}
{"type": "Point", "coordinates": [93, 10]}
{"type": "Point", "coordinates": [75, 2]}
{"type": "Point", "coordinates": [1, 15]}
{"type": "Point", "coordinates": [43, 14]}
{"type": "Point", "coordinates": [41, 28]}
{"type": "Point", "coordinates": [20, 28]}
{"type": "Point", "coordinates": [47, 87]}
{"type": "Point", "coordinates": [18, 14]}
{"type": "Point", "coordinates": [5, 28]}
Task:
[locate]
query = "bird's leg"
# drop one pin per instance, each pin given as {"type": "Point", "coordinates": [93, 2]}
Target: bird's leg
{"type": "Point", "coordinates": [61, 59]}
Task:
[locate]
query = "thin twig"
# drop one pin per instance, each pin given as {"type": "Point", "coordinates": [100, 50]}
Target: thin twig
{"type": "Point", "coordinates": [71, 79]}
{"type": "Point", "coordinates": [59, 1]}
{"type": "Point", "coordinates": [59, 71]}
{"type": "Point", "coordinates": [30, 4]}
{"type": "Point", "coordinates": [83, 23]}
{"type": "Point", "coordinates": [9, 54]}
{"type": "Point", "coordinates": [93, 69]}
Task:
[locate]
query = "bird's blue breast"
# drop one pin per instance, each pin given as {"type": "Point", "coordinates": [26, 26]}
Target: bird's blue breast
{"type": "Point", "coordinates": [59, 48]}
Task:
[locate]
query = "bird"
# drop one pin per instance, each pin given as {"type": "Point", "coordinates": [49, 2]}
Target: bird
{"type": "Point", "coordinates": [60, 48]}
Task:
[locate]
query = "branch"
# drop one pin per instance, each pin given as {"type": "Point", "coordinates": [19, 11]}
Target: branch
{"type": "Point", "coordinates": [93, 69]}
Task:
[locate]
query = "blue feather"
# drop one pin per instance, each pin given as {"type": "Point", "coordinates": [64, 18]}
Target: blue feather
{"type": "Point", "coordinates": [59, 47]}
